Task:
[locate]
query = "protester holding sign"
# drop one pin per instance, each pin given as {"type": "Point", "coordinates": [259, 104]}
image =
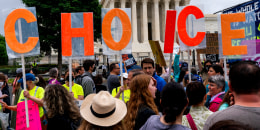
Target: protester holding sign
{"type": "Point", "coordinates": [117, 92]}
{"type": "Point", "coordinates": [62, 111]}
{"type": "Point", "coordinates": [34, 93]}
{"type": "Point", "coordinates": [77, 89]}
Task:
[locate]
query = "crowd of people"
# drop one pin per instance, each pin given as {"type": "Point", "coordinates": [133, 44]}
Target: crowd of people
{"type": "Point", "coordinates": [145, 100]}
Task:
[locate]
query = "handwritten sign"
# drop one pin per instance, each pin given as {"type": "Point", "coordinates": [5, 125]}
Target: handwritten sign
{"type": "Point", "coordinates": [157, 53]}
{"type": "Point", "coordinates": [34, 116]}
{"type": "Point", "coordinates": [212, 44]}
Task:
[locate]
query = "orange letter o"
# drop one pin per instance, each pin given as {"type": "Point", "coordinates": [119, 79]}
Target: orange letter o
{"type": "Point", "coordinates": [126, 27]}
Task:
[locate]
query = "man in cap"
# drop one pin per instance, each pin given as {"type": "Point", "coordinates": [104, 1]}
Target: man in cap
{"type": "Point", "coordinates": [33, 93]}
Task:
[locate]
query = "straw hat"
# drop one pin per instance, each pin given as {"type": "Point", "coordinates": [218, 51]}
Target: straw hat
{"type": "Point", "coordinates": [102, 109]}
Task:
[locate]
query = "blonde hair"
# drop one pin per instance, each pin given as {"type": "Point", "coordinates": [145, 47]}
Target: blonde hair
{"type": "Point", "coordinates": [140, 95]}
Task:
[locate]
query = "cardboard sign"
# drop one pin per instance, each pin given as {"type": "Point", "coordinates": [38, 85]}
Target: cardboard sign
{"type": "Point", "coordinates": [34, 116]}
{"type": "Point", "coordinates": [169, 31]}
{"type": "Point", "coordinates": [213, 57]}
{"type": "Point", "coordinates": [157, 52]}
{"type": "Point", "coordinates": [21, 32]}
{"type": "Point", "coordinates": [116, 31]}
{"type": "Point", "coordinates": [212, 44]}
{"type": "Point", "coordinates": [191, 28]}
{"type": "Point", "coordinates": [74, 26]}
{"type": "Point", "coordinates": [129, 60]}
{"type": "Point", "coordinates": [234, 41]}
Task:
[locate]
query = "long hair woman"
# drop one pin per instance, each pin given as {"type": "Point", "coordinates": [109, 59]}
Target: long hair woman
{"type": "Point", "coordinates": [173, 102]}
{"type": "Point", "coordinates": [141, 104]}
{"type": "Point", "coordinates": [62, 111]}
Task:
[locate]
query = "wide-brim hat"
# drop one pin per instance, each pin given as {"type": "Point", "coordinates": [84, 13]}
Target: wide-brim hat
{"type": "Point", "coordinates": [102, 109]}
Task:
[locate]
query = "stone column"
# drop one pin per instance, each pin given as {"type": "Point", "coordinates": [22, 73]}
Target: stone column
{"type": "Point", "coordinates": [156, 20]}
{"type": "Point", "coordinates": [134, 22]}
{"type": "Point", "coordinates": [177, 3]}
{"type": "Point", "coordinates": [111, 4]}
{"type": "Point", "coordinates": [122, 4]}
{"type": "Point", "coordinates": [187, 2]}
{"type": "Point", "coordinates": [144, 24]}
{"type": "Point", "coordinates": [166, 7]}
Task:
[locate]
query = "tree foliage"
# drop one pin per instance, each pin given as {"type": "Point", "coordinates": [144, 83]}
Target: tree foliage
{"type": "Point", "coordinates": [3, 53]}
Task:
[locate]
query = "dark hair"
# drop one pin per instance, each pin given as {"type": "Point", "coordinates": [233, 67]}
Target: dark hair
{"type": "Point", "coordinates": [136, 72]}
{"type": "Point", "coordinates": [2, 77]}
{"type": "Point", "coordinates": [112, 67]}
{"type": "Point", "coordinates": [196, 92]}
{"type": "Point", "coordinates": [28, 70]}
{"type": "Point", "coordinates": [173, 101]}
{"type": "Point", "coordinates": [182, 74]}
{"type": "Point", "coordinates": [204, 68]}
{"type": "Point", "coordinates": [53, 72]}
{"type": "Point", "coordinates": [218, 69]}
{"type": "Point", "coordinates": [98, 79]}
{"type": "Point", "coordinates": [244, 78]}
{"type": "Point", "coordinates": [193, 70]}
{"type": "Point", "coordinates": [78, 69]}
{"type": "Point", "coordinates": [148, 61]}
{"type": "Point", "coordinates": [229, 125]}
{"type": "Point", "coordinates": [87, 64]}
{"type": "Point", "coordinates": [208, 61]}
{"type": "Point", "coordinates": [226, 99]}
{"type": "Point", "coordinates": [42, 83]}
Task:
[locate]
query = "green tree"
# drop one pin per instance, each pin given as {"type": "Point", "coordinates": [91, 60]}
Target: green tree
{"type": "Point", "coordinates": [49, 20]}
{"type": "Point", "coordinates": [3, 53]}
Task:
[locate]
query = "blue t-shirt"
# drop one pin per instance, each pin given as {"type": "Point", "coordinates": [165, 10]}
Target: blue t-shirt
{"type": "Point", "coordinates": [160, 82]}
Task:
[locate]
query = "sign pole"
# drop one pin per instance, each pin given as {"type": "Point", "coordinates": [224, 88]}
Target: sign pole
{"type": "Point", "coordinates": [225, 69]}
{"type": "Point", "coordinates": [24, 77]}
{"type": "Point", "coordinates": [70, 74]}
{"type": "Point", "coordinates": [189, 65]}
{"type": "Point", "coordinates": [170, 68]}
{"type": "Point", "coordinates": [121, 73]}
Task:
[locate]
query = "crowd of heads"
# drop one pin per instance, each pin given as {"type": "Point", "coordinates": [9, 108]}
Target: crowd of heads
{"type": "Point", "coordinates": [100, 110]}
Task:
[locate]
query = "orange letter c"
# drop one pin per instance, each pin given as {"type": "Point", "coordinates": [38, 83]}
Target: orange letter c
{"type": "Point", "coordinates": [10, 36]}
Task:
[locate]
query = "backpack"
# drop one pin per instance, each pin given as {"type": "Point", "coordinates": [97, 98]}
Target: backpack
{"type": "Point", "coordinates": [78, 79]}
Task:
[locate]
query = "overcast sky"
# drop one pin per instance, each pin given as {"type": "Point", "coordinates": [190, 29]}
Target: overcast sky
{"type": "Point", "coordinates": [212, 6]}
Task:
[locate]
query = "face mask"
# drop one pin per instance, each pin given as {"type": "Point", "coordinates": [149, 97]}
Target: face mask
{"type": "Point", "coordinates": [1, 84]}
{"type": "Point", "coordinates": [207, 67]}
{"type": "Point", "coordinates": [94, 69]}
{"type": "Point", "coordinates": [61, 78]}
{"type": "Point", "coordinates": [171, 73]}
{"type": "Point", "coordinates": [67, 79]}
